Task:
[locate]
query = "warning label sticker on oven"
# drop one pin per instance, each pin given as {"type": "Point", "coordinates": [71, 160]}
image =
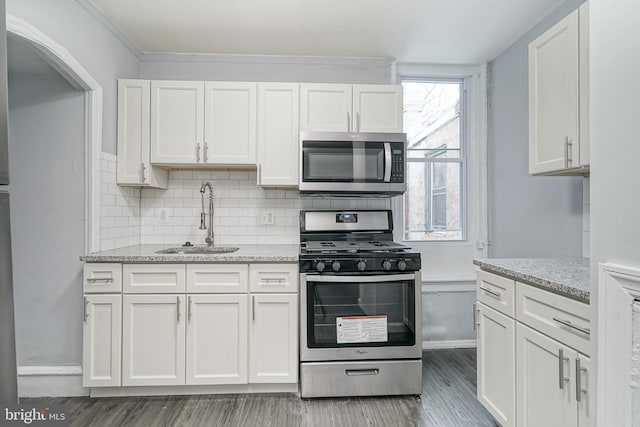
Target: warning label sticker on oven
{"type": "Point", "coordinates": [361, 329]}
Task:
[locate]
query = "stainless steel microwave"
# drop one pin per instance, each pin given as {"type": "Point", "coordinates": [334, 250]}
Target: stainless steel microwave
{"type": "Point", "coordinates": [352, 163]}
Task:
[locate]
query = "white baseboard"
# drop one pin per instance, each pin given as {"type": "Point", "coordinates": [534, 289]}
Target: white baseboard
{"type": "Point", "coordinates": [437, 345]}
{"type": "Point", "coordinates": [50, 381]}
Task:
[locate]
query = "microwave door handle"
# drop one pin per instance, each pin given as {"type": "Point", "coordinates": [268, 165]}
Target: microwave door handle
{"type": "Point", "coordinates": [387, 162]}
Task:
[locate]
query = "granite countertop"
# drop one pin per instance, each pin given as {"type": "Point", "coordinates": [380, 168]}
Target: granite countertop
{"type": "Point", "coordinates": [245, 253]}
{"type": "Point", "coordinates": [565, 276]}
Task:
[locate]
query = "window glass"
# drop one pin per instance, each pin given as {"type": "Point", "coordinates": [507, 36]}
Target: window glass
{"type": "Point", "coordinates": [433, 121]}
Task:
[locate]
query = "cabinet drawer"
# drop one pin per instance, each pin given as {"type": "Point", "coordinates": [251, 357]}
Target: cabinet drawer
{"type": "Point", "coordinates": [102, 277]}
{"type": "Point", "coordinates": [561, 318]}
{"type": "Point", "coordinates": [153, 278]}
{"type": "Point", "coordinates": [219, 278]}
{"type": "Point", "coordinates": [496, 292]}
{"type": "Point", "coordinates": [273, 277]}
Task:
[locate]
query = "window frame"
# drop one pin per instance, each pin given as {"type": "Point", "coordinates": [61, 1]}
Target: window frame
{"type": "Point", "coordinates": [462, 159]}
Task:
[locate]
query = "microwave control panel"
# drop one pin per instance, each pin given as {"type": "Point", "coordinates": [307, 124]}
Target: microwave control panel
{"type": "Point", "coordinates": [397, 166]}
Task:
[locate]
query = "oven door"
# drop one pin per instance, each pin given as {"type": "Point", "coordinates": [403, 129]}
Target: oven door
{"type": "Point", "coordinates": [362, 317]}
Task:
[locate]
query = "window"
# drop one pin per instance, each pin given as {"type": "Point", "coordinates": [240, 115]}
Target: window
{"type": "Point", "coordinates": [434, 123]}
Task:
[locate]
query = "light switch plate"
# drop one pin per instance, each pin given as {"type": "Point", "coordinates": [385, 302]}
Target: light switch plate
{"type": "Point", "coordinates": [163, 215]}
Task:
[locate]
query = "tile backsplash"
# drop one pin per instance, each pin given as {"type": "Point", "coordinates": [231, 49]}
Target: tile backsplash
{"type": "Point", "coordinates": [120, 209]}
{"type": "Point", "coordinates": [133, 216]}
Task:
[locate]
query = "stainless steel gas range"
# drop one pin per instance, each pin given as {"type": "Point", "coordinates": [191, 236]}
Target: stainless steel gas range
{"type": "Point", "coordinates": [360, 307]}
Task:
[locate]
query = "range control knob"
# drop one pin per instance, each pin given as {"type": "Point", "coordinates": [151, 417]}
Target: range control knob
{"type": "Point", "coordinates": [386, 265]}
{"type": "Point", "coordinates": [362, 265]}
{"type": "Point", "coordinates": [402, 265]}
{"type": "Point", "coordinates": [320, 266]}
{"type": "Point", "coordinates": [335, 266]}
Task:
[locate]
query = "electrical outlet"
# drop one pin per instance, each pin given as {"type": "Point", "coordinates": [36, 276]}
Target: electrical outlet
{"type": "Point", "coordinates": [163, 215]}
{"type": "Point", "coordinates": [267, 218]}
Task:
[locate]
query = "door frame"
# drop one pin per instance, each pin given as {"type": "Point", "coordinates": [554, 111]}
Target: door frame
{"type": "Point", "coordinates": [69, 68]}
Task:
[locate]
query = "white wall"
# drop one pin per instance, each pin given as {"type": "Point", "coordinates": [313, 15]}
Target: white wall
{"type": "Point", "coordinates": [615, 147]}
{"type": "Point", "coordinates": [528, 216]}
{"type": "Point", "coordinates": [265, 68]}
{"type": "Point", "coordinates": [97, 49]}
{"type": "Point", "coordinates": [46, 153]}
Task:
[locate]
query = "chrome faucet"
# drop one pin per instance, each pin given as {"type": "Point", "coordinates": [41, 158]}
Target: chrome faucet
{"type": "Point", "coordinates": [203, 188]}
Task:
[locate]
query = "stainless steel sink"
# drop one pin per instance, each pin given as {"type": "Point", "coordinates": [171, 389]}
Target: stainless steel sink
{"type": "Point", "coordinates": [204, 250]}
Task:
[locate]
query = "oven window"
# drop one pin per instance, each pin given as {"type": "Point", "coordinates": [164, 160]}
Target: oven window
{"type": "Point", "coordinates": [338, 312]}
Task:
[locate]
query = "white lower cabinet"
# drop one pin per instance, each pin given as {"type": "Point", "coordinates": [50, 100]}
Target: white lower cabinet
{"type": "Point", "coordinates": [496, 364]}
{"type": "Point", "coordinates": [273, 340]}
{"type": "Point", "coordinates": [101, 340]}
{"type": "Point", "coordinates": [217, 339]}
{"type": "Point", "coordinates": [214, 333]}
{"type": "Point", "coordinates": [545, 375]}
{"type": "Point", "coordinates": [153, 340]}
{"type": "Point", "coordinates": [531, 368]}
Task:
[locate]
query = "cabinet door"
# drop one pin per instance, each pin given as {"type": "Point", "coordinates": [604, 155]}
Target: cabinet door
{"type": "Point", "coordinates": [217, 339]}
{"type": "Point", "coordinates": [585, 111]}
{"type": "Point", "coordinates": [278, 134]}
{"type": "Point", "coordinates": [325, 107]}
{"type": "Point", "coordinates": [101, 365]}
{"type": "Point", "coordinates": [582, 390]}
{"type": "Point", "coordinates": [545, 379]}
{"type": "Point", "coordinates": [153, 340]}
{"type": "Point", "coordinates": [377, 108]}
{"type": "Point", "coordinates": [496, 364]}
{"type": "Point", "coordinates": [134, 103]}
{"type": "Point", "coordinates": [554, 98]}
{"type": "Point", "coordinates": [177, 122]}
{"type": "Point", "coordinates": [273, 339]}
{"type": "Point", "coordinates": [134, 123]}
{"type": "Point", "coordinates": [230, 123]}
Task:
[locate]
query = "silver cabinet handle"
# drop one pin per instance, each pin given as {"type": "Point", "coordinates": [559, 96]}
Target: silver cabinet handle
{"type": "Point", "coordinates": [475, 312]}
{"type": "Point", "coordinates": [490, 292]}
{"type": "Point", "coordinates": [561, 378]}
{"type": "Point", "coordinates": [348, 121]}
{"type": "Point", "coordinates": [572, 326]}
{"type": "Point", "coordinates": [354, 372]}
{"type": "Point", "coordinates": [205, 153]}
{"type": "Point", "coordinates": [86, 311]}
{"type": "Point", "coordinates": [273, 279]}
{"type": "Point", "coordinates": [189, 310]}
{"type": "Point", "coordinates": [357, 122]}
{"type": "Point", "coordinates": [567, 152]}
{"type": "Point", "coordinates": [579, 389]}
{"type": "Point", "coordinates": [178, 309]}
{"type": "Point", "coordinates": [144, 175]}
{"type": "Point", "coordinates": [97, 279]}
{"type": "Point", "coordinates": [253, 307]}
{"type": "Point", "coordinates": [198, 152]}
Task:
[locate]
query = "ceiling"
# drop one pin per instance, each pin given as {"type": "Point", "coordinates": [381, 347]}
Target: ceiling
{"type": "Point", "coordinates": [422, 31]}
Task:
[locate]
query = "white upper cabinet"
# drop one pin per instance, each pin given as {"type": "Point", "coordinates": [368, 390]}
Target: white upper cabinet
{"type": "Point", "coordinates": [177, 122]}
{"type": "Point", "coordinates": [558, 96]}
{"type": "Point", "coordinates": [325, 107]}
{"type": "Point", "coordinates": [278, 134]}
{"type": "Point", "coordinates": [134, 115]}
{"type": "Point", "coordinates": [377, 108]}
{"type": "Point", "coordinates": [230, 123]}
{"type": "Point", "coordinates": [350, 108]}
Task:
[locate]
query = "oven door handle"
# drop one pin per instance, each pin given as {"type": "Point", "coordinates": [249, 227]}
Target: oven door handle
{"type": "Point", "coordinates": [387, 162]}
{"type": "Point", "coordinates": [361, 279]}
